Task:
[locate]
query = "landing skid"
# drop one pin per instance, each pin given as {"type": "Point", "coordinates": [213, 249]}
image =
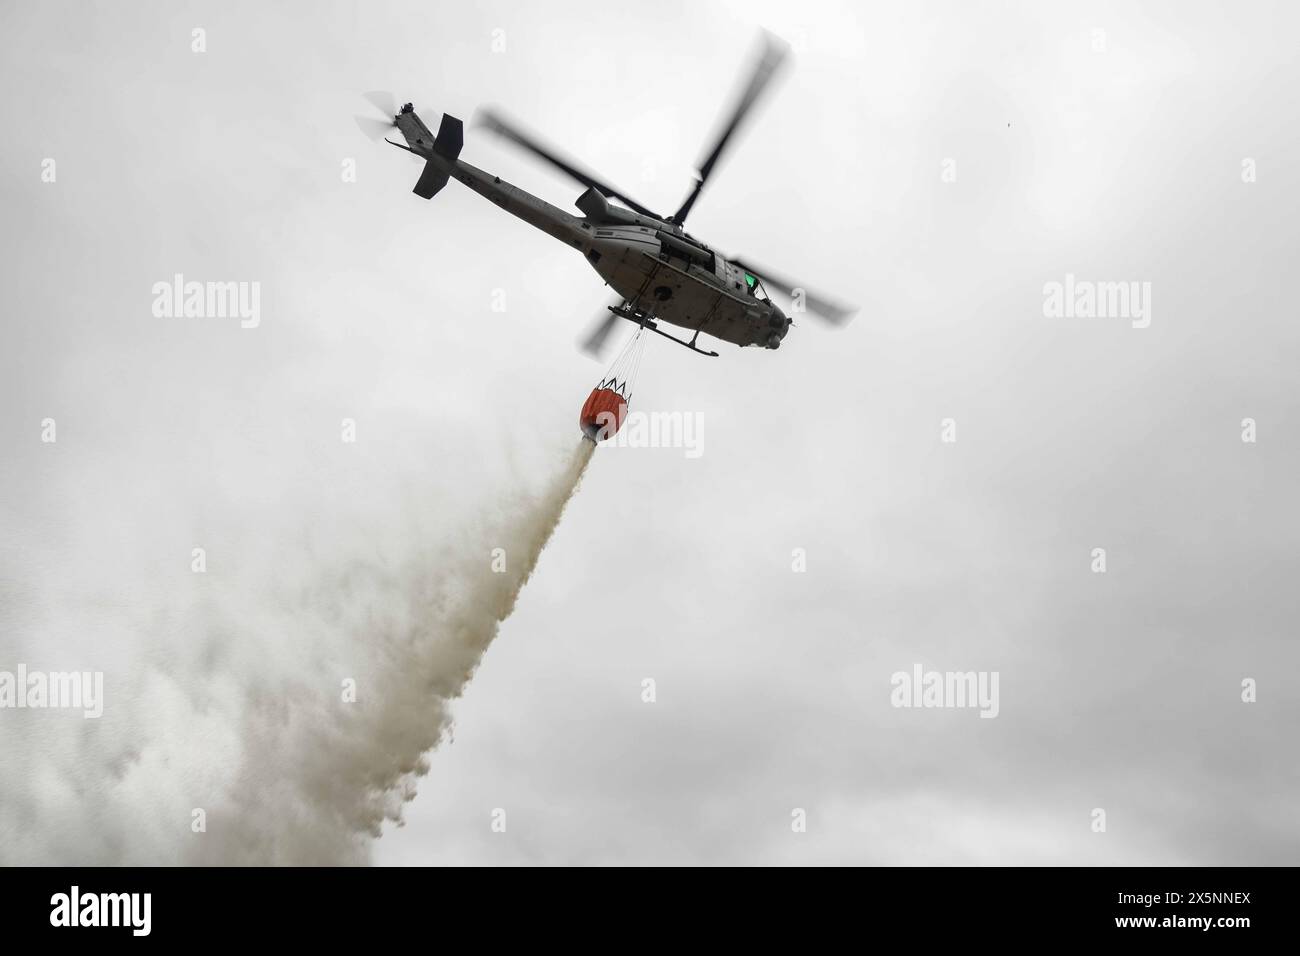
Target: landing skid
{"type": "Point", "coordinates": [624, 312]}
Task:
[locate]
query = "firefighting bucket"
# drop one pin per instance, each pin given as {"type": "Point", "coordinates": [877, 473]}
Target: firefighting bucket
{"type": "Point", "coordinates": [605, 409]}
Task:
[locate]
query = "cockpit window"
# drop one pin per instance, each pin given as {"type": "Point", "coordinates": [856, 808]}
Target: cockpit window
{"type": "Point", "coordinates": [756, 288]}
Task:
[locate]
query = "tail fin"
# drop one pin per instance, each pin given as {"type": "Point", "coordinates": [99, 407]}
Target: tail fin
{"type": "Point", "coordinates": [447, 146]}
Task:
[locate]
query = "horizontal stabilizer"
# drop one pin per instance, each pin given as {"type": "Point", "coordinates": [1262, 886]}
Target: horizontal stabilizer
{"type": "Point", "coordinates": [451, 137]}
{"type": "Point", "coordinates": [431, 180]}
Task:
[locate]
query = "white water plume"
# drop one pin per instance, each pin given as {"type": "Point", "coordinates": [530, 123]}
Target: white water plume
{"type": "Point", "coordinates": [250, 722]}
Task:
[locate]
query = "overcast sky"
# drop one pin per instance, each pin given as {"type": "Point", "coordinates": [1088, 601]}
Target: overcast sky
{"type": "Point", "coordinates": [936, 163]}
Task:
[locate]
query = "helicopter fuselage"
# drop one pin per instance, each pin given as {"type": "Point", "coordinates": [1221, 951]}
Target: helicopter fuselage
{"type": "Point", "coordinates": [660, 271]}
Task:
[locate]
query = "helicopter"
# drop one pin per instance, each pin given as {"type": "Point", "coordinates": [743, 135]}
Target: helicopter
{"type": "Point", "coordinates": [661, 273]}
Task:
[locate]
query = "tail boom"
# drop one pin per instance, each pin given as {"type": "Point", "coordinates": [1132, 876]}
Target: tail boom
{"type": "Point", "coordinates": [441, 154]}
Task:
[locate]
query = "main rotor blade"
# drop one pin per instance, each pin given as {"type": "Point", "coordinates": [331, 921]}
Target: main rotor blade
{"type": "Point", "coordinates": [593, 343]}
{"type": "Point", "coordinates": [833, 312]}
{"type": "Point", "coordinates": [773, 55]}
{"type": "Point", "coordinates": [499, 125]}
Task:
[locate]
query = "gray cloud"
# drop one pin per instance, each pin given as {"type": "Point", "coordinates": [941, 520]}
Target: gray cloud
{"type": "Point", "coordinates": [1119, 691]}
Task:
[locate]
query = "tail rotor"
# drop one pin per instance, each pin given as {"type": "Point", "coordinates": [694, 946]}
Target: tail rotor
{"type": "Point", "coordinates": [385, 105]}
